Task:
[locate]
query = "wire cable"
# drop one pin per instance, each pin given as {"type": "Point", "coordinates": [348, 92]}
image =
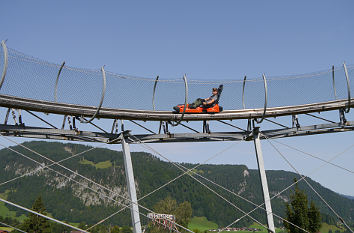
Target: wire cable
{"type": "Point", "coordinates": [299, 180]}
{"type": "Point", "coordinates": [13, 227]}
{"type": "Point", "coordinates": [182, 168]}
{"type": "Point", "coordinates": [245, 199]}
{"type": "Point", "coordinates": [324, 201]}
{"type": "Point", "coordinates": [314, 156]}
{"type": "Point", "coordinates": [86, 186]}
{"type": "Point", "coordinates": [75, 173]}
{"type": "Point", "coordinates": [167, 183]}
{"type": "Point", "coordinates": [43, 167]}
{"type": "Point", "coordinates": [42, 215]}
{"type": "Point", "coordinates": [291, 185]}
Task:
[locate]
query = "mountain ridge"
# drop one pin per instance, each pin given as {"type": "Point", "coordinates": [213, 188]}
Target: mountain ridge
{"type": "Point", "coordinates": [78, 204]}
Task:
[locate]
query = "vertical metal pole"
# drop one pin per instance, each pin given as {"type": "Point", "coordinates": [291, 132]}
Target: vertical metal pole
{"type": "Point", "coordinates": [257, 144]}
{"type": "Point", "coordinates": [134, 210]}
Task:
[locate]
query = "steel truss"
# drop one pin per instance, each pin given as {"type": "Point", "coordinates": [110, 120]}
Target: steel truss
{"type": "Point", "coordinates": [73, 133]}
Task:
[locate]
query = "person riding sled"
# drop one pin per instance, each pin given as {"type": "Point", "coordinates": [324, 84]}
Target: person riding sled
{"type": "Point", "coordinates": [207, 105]}
{"type": "Point", "coordinates": [208, 102]}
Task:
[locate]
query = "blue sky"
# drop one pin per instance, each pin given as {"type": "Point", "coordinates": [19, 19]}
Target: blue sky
{"type": "Point", "coordinates": [205, 40]}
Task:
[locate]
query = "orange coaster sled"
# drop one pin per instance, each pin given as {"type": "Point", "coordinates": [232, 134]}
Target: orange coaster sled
{"type": "Point", "coordinates": [215, 109]}
{"type": "Point", "coordinates": [205, 109]}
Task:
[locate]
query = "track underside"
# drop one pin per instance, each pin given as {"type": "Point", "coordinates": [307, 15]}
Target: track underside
{"type": "Point", "coordinates": [72, 135]}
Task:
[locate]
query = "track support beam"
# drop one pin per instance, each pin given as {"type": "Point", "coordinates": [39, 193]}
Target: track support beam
{"type": "Point", "coordinates": [258, 148]}
{"type": "Point", "coordinates": [342, 118]}
{"type": "Point", "coordinates": [134, 208]}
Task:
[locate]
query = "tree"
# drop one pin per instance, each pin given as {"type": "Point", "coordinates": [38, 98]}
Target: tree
{"type": "Point", "coordinates": [35, 223]}
{"type": "Point", "coordinates": [314, 218]}
{"type": "Point", "coordinates": [115, 229]}
{"type": "Point", "coordinates": [58, 228]}
{"type": "Point", "coordinates": [126, 229]}
{"type": "Point", "coordinates": [298, 213]}
{"type": "Point", "coordinates": [182, 213]}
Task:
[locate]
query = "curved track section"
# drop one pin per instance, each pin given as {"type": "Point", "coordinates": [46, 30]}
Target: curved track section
{"type": "Point", "coordinates": [146, 115]}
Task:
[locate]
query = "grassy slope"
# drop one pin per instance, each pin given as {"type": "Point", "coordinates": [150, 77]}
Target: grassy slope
{"type": "Point", "coordinates": [100, 165]}
{"type": "Point", "coordinates": [9, 229]}
{"type": "Point", "coordinates": [202, 224]}
{"type": "Point", "coordinates": [263, 230]}
{"type": "Point", "coordinates": [325, 228]}
{"type": "Point", "coordinates": [5, 212]}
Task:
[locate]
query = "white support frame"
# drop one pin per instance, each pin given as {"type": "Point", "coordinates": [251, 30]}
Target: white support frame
{"type": "Point", "coordinates": [134, 210]}
{"type": "Point", "coordinates": [263, 177]}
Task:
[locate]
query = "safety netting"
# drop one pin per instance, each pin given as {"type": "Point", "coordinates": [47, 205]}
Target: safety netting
{"type": "Point", "coordinates": [33, 78]}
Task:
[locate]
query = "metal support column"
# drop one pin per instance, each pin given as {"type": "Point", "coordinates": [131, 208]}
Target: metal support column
{"type": "Point", "coordinates": [134, 210]}
{"type": "Point", "coordinates": [257, 144]}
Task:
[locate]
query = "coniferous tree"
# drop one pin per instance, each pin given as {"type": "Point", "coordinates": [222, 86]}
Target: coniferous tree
{"type": "Point", "coordinates": [35, 223]}
{"type": "Point", "coordinates": [314, 218]}
{"type": "Point", "coordinates": [299, 214]}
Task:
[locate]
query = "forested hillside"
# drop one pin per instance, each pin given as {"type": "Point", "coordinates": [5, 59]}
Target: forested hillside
{"type": "Point", "coordinates": [73, 202]}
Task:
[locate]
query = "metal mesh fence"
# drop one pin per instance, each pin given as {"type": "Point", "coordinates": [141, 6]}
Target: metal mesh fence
{"type": "Point", "coordinates": [33, 78]}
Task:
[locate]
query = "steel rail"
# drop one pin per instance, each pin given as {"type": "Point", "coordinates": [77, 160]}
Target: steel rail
{"type": "Point", "coordinates": [4, 70]}
{"type": "Point", "coordinates": [148, 115]}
